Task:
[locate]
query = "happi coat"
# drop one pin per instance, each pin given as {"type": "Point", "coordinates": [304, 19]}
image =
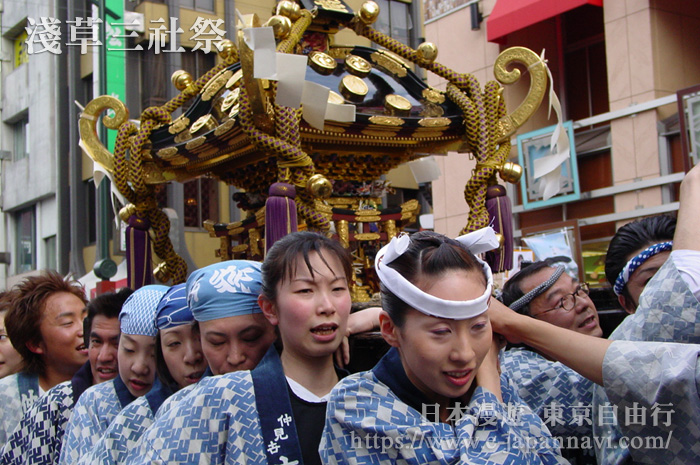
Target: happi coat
{"type": "Point", "coordinates": [124, 432]}
{"type": "Point", "coordinates": [92, 415]}
{"type": "Point", "coordinates": [377, 417]}
{"type": "Point", "coordinates": [667, 312]}
{"type": "Point", "coordinates": [38, 438]}
{"type": "Point", "coordinates": [18, 392]}
{"type": "Point", "coordinates": [249, 410]}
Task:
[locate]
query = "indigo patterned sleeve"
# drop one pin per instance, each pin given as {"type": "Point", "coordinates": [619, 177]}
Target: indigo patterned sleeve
{"type": "Point", "coordinates": [122, 435]}
{"type": "Point", "coordinates": [216, 424]}
{"type": "Point", "coordinates": [557, 394]}
{"type": "Point", "coordinates": [38, 438]}
{"type": "Point", "coordinates": [668, 312]}
{"type": "Point", "coordinates": [91, 416]}
{"type": "Point", "coordinates": [654, 387]}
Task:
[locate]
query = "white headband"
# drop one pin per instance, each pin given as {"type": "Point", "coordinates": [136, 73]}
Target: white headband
{"type": "Point", "coordinates": [477, 242]}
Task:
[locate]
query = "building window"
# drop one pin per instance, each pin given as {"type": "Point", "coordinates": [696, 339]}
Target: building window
{"type": "Point", "coordinates": [395, 20]}
{"type": "Point", "coordinates": [585, 70]}
{"type": "Point", "coordinates": [20, 49]}
{"type": "Point", "coordinates": [20, 134]}
{"type": "Point", "coordinates": [201, 202]}
{"type": "Point", "coordinates": [25, 232]}
{"type": "Point", "coordinates": [206, 5]}
{"type": "Point", "coordinates": [50, 252]}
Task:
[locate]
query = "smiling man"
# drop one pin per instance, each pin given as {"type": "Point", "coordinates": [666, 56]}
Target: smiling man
{"type": "Point", "coordinates": [45, 324]}
{"type": "Point", "coordinates": [544, 291]}
{"type": "Point", "coordinates": [39, 436]}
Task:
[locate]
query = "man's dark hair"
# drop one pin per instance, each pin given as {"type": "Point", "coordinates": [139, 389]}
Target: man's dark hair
{"type": "Point", "coordinates": [633, 237]}
{"type": "Point", "coordinates": [108, 305]}
{"type": "Point", "coordinates": [26, 311]}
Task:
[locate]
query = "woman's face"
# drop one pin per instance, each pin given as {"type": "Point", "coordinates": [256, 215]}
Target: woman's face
{"type": "Point", "coordinates": [10, 359]}
{"type": "Point", "coordinates": [137, 362]}
{"type": "Point", "coordinates": [311, 309]}
{"type": "Point", "coordinates": [441, 356]}
{"type": "Point", "coordinates": [236, 342]}
{"type": "Point", "coordinates": [182, 352]}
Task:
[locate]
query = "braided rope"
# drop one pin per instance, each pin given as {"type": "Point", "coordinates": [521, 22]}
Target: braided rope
{"type": "Point", "coordinates": [129, 173]}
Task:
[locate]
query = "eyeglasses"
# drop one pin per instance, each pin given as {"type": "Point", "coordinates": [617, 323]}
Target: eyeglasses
{"type": "Point", "coordinates": [568, 302]}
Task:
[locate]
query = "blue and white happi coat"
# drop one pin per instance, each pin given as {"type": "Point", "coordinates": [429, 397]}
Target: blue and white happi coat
{"type": "Point", "coordinates": [558, 395]}
{"type": "Point", "coordinates": [377, 417]}
{"type": "Point", "coordinates": [123, 434]}
{"type": "Point", "coordinates": [555, 392]}
{"type": "Point", "coordinates": [667, 312]}
{"type": "Point", "coordinates": [18, 392]}
{"type": "Point", "coordinates": [39, 437]}
{"type": "Point", "coordinates": [220, 422]}
{"type": "Point", "coordinates": [655, 389]}
{"type": "Point", "coordinates": [91, 417]}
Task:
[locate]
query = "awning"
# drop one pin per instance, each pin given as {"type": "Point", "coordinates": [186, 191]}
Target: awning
{"type": "Point", "coordinates": [512, 15]}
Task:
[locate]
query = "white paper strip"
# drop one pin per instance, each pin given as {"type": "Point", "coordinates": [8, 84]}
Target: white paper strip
{"type": "Point", "coordinates": [314, 101]}
{"type": "Point", "coordinates": [340, 112]}
{"type": "Point", "coordinates": [262, 41]}
{"type": "Point", "coordinates": [291, 71]}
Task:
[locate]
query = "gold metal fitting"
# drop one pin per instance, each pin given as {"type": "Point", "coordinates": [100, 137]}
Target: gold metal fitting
{"type": "Point", "coordinates": [289, 9]}
{"type": "Point", "coordinates": [427, 51]}
{"type": "Point", "coordinates": [281, 26]}
{"type": "Point", "coordinates": [369, 12]}
{"type": "Point", "coordinates": [161, 273]}
{"type": "Point", "coordinates": [336, 98]}
{"type": "Point", "coordinates": [322, 63]}
{"type": "Point", "coordinates": [228, 49]}
{"type": "Point", "coordinates": [181, 79]}
{"type": "Point", "coordinates": [511, 172]}
{"type": "Point", "coordinates": [126, 212]}
{"type": "Point", "coordinates": [319, 186]}
{"type": "Point", "coordinates": [206, 122]}
{"type": "Point", "coordinates": [396, 105]}
{"type": "Point", "coordinates": [353, 88]}
{"type": "Point", "coordinates": [357, 66]}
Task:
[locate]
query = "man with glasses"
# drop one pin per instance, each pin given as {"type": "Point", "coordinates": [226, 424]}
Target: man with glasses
{"type": "Point", "coordinates": [544, 291]}
{"type": "Point", "coordinates": [559, 395]}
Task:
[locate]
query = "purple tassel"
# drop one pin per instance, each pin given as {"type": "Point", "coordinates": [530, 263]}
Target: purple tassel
{"type": "Point", "coordinates": [501, 220]}
{"type": "Point", "coordinates": [138, 253]}
{"type": "Point", "coordinates": [280, 213]}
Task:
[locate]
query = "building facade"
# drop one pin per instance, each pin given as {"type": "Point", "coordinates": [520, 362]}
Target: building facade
{"type": "Point", "coordinates": [617, 66]}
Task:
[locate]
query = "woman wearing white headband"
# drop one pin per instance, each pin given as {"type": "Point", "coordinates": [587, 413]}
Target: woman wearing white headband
{"type": "Point", "coordinates": [437, 395]}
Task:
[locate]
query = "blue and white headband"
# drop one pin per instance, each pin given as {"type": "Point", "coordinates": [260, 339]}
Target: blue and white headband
{"type": "Point", "coordinates": [477, 242]}
{"type": "Point", "coordinates": [138, 314]}
{"type": "Point", "coordinates": [636, 262]}
{"type": "Point", "coordinates": [173, 309]}
{"type": "Point", "coordinates": [225, 289]}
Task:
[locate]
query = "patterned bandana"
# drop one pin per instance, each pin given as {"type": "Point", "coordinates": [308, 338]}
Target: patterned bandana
{"type": "Point", "coordinates": [636, 262]}
{"type": "Point", "coordinates": [477, 242]}
{"type": "Point", "coordinates": [527, 298]}
{"type": "Point", "coordinates": [173, 309]}
{"type": "Point", "coordinates": [225, 289]}
{"type": "Point", "coordinates": [138, 313]}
